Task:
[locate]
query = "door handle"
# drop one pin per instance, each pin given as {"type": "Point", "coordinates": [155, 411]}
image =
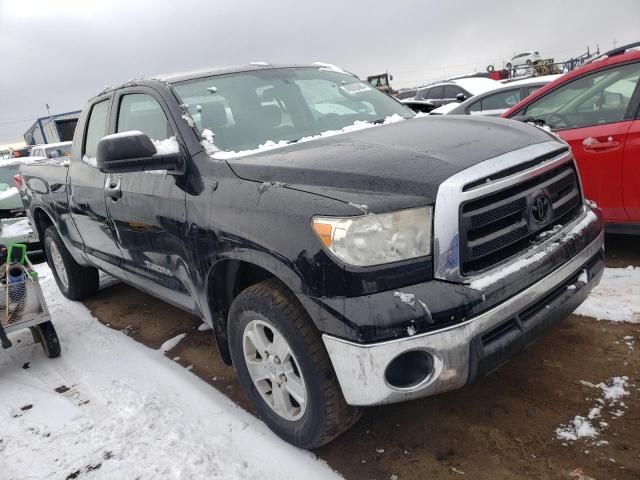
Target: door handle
{"type": "Point", "coordinates": [594, 145]}
{"type": "Point", "coordinates": [112, 190]}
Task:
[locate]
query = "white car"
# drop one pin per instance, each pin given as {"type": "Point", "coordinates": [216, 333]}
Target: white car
{"type": "Point", "coordinates": [51, 150]}
{"type": "Point", "coordinates": [527, 59]}
{"type": "Point", "coordinates": [494, 103]}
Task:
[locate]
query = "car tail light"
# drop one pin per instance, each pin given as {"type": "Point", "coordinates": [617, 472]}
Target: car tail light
{"type": "Point", "coordinates": [17, 179]}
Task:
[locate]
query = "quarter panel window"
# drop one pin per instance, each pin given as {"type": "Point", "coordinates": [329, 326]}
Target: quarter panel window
{"type": "Point", "coordinates": [96, 129]}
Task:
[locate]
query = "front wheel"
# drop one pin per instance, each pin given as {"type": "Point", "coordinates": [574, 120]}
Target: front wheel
{"type": "Point", "coordinates": [283, 367]}
{"type": "Point", "coordinates": [74, 281]}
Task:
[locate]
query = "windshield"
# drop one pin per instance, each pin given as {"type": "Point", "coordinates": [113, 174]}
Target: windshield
{"type": "Point", "coordinates": [59, 151]}
{"type": "Point", "coordinates": [246, 110]}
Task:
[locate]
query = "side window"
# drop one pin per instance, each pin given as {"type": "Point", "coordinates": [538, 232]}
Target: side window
{"type": "Point", "coordinates": [142, 112]}
{"type": "Point", "coordinates": [501, 100]}
{"type": "Point", "coordinates": [596, 99]}
{"type": "Point", "coordinates": [95, 131]}
{"type": "Point", "coordinates": [422, 94]}
{"type": "Point", "coordinates": [475, 107]}
{"type": "Point", "coordinates": [530, 90]}
{"type": "Point", "coordinates": [451, 91]}
{"type": "Point", "coordinates": [435, 93]}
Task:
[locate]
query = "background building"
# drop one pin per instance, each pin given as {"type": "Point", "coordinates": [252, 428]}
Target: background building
{"type": "Point", "coordinates": [52, 129]}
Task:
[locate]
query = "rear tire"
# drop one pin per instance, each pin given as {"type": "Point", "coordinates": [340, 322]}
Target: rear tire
{"type": "Point", "coordinates": [74, 281]}
{"type": "Point", "coordinates": [269, 306]}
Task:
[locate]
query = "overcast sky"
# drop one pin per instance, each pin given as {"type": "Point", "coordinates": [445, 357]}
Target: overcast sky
{"type": "Point", "coordinates": [61, 52]}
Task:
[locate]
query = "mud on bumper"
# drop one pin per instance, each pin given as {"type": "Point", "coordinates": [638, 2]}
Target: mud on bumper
{"type": "Point", "coordinates": [461, 353]}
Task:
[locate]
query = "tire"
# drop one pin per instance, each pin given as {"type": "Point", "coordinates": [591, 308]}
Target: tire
{"type": "Point", "coordinates": [74, 281]}
{"type": "Point", "coordinates": [508, 66]}
{"type": "Point", "coordinates": [325, 414]}
{"type": "Point", "coordinates": [49, 339]}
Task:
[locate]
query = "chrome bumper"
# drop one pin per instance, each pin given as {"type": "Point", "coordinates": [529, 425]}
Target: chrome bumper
{"type": "Point", "coordinates": [360, 368]}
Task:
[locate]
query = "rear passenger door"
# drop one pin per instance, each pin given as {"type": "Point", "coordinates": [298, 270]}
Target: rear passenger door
{"type": "Point", "coordinates": [86, 194]}
{"type": "Point", "coordinates": [149, 217]}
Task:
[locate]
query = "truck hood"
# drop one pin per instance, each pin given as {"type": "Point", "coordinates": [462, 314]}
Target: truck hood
{"type": "Point", "coordinates": [392, 166]}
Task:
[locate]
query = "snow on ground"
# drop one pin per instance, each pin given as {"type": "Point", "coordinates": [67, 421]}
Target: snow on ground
{"type": "Point", "coordinates": [16, 229]}
{"type": "Point", "coordinates": [122, 410]}
{"type": "Point", "coordinates": [617, 298]}
{"type": "Point", "coordinates": [592, 424]}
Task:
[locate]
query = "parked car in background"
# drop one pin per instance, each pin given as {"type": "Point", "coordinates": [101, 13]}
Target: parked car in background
{"type": "Point", "coordinates": [52, 150]}
{"type": "Point", "coordinates": [19, 152]}
{"type": "Point", "coordinates": [15, 227]}
{"type": "Point", "coordinates": [10, 202]}
{"type": "Point", "coordinates": [494, 103]}
{"type": "Point", "coordinates": [458, 90]}
{"type": "Point", "coordinates": [596, 110]}
{"type": "Point", "coordinates": [405, 94]}
{"type": "Point", "coordinates": [355, 257]}
{"type": "Point", "coordinates": [523, 59]}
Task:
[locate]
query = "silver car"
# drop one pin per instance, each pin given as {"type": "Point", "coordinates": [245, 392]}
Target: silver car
{"type": "Point", "coordinates": [495, 102]}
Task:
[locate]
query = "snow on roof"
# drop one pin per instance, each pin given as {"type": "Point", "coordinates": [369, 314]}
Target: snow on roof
{"type": "Point", "coordinates": [534, 80]}
{"type": "Point", "coordinates": [477, 85]}
{"type": "Point", "coordinates": [211, 71]}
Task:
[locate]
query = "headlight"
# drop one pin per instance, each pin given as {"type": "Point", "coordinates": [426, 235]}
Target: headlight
{"type": "Point", "coordinates": [375, 239]}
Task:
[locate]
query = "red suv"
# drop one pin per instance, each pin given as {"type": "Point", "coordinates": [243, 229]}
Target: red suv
{"type": "Point", "coordinates": [595, 109]}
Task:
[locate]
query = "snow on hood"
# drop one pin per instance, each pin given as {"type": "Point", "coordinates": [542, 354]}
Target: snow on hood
{"type": "Point", "coordinates": [444, 109]}
{"type": "Point", "coordinates": [271, 144]}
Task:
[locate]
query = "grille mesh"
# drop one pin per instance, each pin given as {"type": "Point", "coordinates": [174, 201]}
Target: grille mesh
{"type": "Point", "coordinates": [497, 226]}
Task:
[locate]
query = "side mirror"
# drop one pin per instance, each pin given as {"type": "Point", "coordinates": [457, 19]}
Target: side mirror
{"type": "Point", "coordinates": [132, 152]}
{"type": "Point", "coordinates": [613, 100]}
{"type": "Point", "coordinates": [390, 77]}
{"type": "Point", "coordinates": [461, 97]}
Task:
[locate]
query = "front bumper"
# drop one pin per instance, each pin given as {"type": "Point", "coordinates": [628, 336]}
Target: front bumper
{"type": "Point", "coordinates": [475, 347]}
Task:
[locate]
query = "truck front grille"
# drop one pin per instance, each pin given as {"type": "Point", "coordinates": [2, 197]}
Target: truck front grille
{"type": "Point", "coordinates": [502, 224]}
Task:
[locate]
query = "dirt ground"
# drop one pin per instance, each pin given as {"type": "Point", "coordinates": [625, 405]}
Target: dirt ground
{"type": "Point", "coordinates": [503, 427]}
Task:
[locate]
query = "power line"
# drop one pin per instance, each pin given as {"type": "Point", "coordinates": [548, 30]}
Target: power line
{"type": "Point", "coordinates": [6, 122]}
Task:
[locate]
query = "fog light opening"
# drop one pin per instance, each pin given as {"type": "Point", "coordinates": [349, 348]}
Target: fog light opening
{"type": "Point", "coordinates": [409, 369]}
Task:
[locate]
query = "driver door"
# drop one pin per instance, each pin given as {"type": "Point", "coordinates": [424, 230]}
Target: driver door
{"type": "Point", "coordinates": [148, 212]}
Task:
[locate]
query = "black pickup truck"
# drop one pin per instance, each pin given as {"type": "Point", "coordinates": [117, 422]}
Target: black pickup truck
{"type": "Point", "coordinates": [345, 252]}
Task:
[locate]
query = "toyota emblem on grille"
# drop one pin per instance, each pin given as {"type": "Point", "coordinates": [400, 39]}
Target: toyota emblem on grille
{"type": "Point", "coordinates": [541, 209]}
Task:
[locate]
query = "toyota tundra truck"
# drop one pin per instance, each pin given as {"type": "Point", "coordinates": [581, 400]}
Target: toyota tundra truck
{"type": "Point", "coordinates": [345, 251]}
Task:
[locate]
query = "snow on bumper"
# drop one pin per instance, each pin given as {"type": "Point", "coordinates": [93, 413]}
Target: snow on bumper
{"type": "Point", "coordinates": [463, 352]}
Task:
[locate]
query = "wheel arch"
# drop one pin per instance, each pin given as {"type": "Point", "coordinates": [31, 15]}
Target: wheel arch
{"type": "Point", "coordinates": [231, 275]}
{"type": "Point", "coordinates": [42, 220]}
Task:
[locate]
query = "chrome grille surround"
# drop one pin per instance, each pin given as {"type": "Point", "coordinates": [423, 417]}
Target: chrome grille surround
{"type": "Point", "coordinates": [452, 194]}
